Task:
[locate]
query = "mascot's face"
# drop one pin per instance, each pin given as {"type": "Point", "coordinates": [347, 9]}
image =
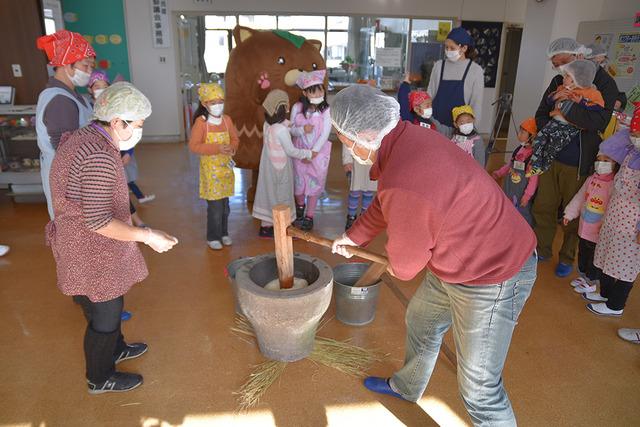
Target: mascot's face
{"type": "Point", "coordinates": [261, 62]}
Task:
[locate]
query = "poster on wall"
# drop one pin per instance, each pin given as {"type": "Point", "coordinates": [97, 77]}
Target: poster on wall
{"type": "Point", "coordinates": [626, 55]}
{"type": "Point", "coordinates": [160, 24]}
{"type": "Point", "coordinates": [389, 57]}
{"type": "Point", "coordinates": [487, 36]}
{"type": "Point", "coordinates": [604, 40]}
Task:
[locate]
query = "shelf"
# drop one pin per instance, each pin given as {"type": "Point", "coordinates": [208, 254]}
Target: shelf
{"type": "Point", "coordinates": [24, 177]}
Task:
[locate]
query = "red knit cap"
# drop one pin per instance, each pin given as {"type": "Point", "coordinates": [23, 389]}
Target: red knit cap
{"type": "Point", "coordinates": [635, 120]}
{"type": "Point", "coordinates": [417, 97]}
{"type": "Point", "coordinates": [65, 47]}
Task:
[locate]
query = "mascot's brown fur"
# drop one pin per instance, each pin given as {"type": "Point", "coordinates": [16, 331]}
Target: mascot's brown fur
{"type": "Point", "coordinates": [260, 62]}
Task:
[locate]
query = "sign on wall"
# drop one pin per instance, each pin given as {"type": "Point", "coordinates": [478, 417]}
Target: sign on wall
{"type": "Point", "coordinates": [161, 32]}
{"type": "Point", "coordinates": [389, 57]}
{"type": "Point", "coordinates": [627, 55]}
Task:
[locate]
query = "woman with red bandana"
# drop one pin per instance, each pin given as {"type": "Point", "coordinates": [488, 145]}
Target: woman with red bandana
{"type": "Point", "coordinates": [60, 107]}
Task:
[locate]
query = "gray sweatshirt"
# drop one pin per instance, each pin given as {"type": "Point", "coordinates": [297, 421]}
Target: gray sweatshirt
{"type": "Point", "coordinates": [473, 85]}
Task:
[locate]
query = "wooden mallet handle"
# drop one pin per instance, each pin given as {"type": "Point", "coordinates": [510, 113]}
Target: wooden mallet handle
{"type": "Point", "coordinates": [284, 245]}
{"type": "Point", "coordinates": [323, 241]}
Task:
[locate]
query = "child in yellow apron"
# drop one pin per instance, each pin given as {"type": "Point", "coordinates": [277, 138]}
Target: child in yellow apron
{"type": "Point", "coordinates": [215, 139]}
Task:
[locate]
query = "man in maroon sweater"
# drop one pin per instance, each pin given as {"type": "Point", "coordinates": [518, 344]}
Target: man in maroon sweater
{"type": "Point", "coordinates": [443, 212]}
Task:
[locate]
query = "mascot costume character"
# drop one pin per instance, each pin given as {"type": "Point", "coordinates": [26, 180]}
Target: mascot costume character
{"type": "Point", "coordinates": [260, 62]}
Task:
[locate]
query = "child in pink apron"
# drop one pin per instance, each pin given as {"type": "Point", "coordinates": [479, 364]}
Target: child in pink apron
{"type": "Point", "coordinates": [310, 128]}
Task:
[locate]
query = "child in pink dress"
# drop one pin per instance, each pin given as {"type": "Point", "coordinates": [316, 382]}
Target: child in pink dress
{"type": "Point", "coordinates": [590, 204]}
{"type": "Point", "coordinates": [310, 128]}
{"type": "Point", "coordinates": [618, 250]}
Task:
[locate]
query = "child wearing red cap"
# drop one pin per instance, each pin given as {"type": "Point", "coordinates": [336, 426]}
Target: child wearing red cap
{"type": "Point", "coordinates": [421, 105]}
{"type": "Point", "coordinates": [618, 251]}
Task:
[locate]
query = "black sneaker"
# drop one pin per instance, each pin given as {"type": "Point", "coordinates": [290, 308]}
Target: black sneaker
{"type": "Point", "coordinates": [307, 224]}
{"type": "Point", "coordinates": [119, 382]}
{"type": "Point", "coordinates": [300, 212]}
{"type": "Point", "coordinates": [350, 220]}
{"type": "Point", "coordinates": [131, 351]}
{"type": "Point", "coordinates": [266, 233]}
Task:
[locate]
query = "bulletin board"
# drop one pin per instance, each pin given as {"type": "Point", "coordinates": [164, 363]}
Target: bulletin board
{"type": "Point", "coordinates": [487, 37]}
{"type": "Point", "coordinates": [102, 23]}
{"type": "Point", "coordinates": [622, 41]}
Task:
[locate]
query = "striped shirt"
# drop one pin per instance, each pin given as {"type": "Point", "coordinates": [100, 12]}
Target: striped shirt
{"type": "Point", "coordinates": [91, 182]}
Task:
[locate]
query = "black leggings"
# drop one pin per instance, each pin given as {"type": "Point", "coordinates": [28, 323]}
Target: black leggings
{"type": "Point", "coordinates": [616, 291]}
{"type": "Point", "coordinates": [103, 341]}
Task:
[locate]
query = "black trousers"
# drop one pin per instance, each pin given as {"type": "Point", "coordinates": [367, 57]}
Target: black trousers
{"type": "Point", "coordinates": [616, 291]}
{"type": "Point", "coordinates": [103, 340]}
{"type": "Point", "coordinates": [217, 219]}
{"type": "Point", "coordinates": [586, 251]}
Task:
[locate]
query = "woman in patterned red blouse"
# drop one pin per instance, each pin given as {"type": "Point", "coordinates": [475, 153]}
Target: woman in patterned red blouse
{"type": "Point", "coordinates": [93, 241]}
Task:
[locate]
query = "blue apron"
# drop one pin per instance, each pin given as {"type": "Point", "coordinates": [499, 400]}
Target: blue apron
{"type": "Point", "coordinates": [450, 94]}
{"type": "Point", "coordinates": [47, 151]}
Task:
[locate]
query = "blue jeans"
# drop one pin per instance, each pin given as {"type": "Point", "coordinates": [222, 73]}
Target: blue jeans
{"type": "Point", "coordinates": [483, 319]}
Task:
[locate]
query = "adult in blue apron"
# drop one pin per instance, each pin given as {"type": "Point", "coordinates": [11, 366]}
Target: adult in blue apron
{"type": "Point", "coordinates": [449, 93]}
{"type": "Point", "coordinates": [74, 60]}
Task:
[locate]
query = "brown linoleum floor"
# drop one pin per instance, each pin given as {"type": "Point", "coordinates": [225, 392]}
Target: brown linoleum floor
{"type": "Point", "coordinates": [566, 367]}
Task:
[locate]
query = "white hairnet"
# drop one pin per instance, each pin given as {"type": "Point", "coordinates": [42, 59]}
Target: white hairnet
{"type": "Point", "coordinates": [582, 71]}
{"type": "Point", "coordinates": [123, 101]}
{"type": "Point", "coordinates": [565, 45]}
{"type": "Point", "coordinates": [595, 50]}
{"type": "Point", "coordinates": [364, 115]}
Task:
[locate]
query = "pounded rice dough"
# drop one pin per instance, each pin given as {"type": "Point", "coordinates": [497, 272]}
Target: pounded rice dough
{"type": "Point", "coordinates": [298, 283]}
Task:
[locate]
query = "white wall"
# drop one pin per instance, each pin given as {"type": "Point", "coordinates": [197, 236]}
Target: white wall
{"type": "Point", "coordinates": [160, 81]}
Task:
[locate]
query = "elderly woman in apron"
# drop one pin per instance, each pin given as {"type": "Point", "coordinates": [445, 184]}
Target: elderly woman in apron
{"type": "Point", "coordinates": [456, 81]}
{"type": "Point", "coordinates": [215, 139]}
{"type": "Point", "coordinates": [310, 128]}
{"type": "Point", "coordinates": [60, 108]}
{"type": "Point", "coordinates": [92, 239]}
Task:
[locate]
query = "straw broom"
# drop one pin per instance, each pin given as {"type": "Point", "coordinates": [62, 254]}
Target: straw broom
{"type": "Point", "coordinates": [341, 355]}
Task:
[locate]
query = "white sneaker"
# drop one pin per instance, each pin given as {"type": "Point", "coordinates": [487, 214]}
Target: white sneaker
{"type": "Point", "coordinates": [578, 281]}
{"type": "Point", "coordinates": [586, 287]}
{"type": "Point", "coordinates": [215, 245]}
{"type": "Point", "coordinates": [4, 249]}
{"type": "Point", "coordinates": [226, 240]}
{"type": "Point", "coordinates": [594, 297]}
{"type": "Point", "coordinates": [631, 335]}
{"type": "Point", "coordinates": [147, 199]}
{"type": "Point", "coordinates": [601, 309]}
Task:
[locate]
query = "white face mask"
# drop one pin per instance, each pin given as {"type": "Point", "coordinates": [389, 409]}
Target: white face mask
{"type": "Point", "coordinates": [97, 92]}
{"type": "Point", "coordinates": [427, 113]}
{"type": "Point", "coordinates": [635, 140]}
{"type": "Point", "coordinates": [603, 168]}
{"type": "Point", "coordinates": [79, 78]}
{"type": "Point", "coordinates": [128, 144]}
{"type": "Point", "coordinates": [452, 55]}
{"type": "Point", "coordinates": [366, 162]}
{"type": "Point", "coordinates": [466, 128]}
{"type": "Point", "coordinates": [216, 109]}
{"type": "Point", "coordinates": [316, 101]}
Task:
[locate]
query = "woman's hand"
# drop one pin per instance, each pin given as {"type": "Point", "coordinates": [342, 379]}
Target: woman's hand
{"type": "Point", "coordinates": [126, 159]}
{"type": "Point", "coordinates": [341, 244]}
{"type": "Point", "coordinates": [227, 150]}
{"type": "Point", "coordinates": [308, 128]}
{"type": "Point", "coordinates": [348, 168]}
{"type": "Point", "coordinates": [565, 221]}
{"type": "Point", "coordinates": [159, 241]}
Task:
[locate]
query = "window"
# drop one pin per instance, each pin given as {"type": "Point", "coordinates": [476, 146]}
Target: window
{"type": "Point", "coordinates": [301, 23]}
{"type": "Point", "coordinates": [215, 22]}
{"type": "Point", "coordinates": [259, 22]}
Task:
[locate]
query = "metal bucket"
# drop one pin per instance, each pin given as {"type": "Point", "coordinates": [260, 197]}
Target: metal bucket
{"type": "Point", "coordinates": [285, 322]}
{"type": "Point", "coordinates": [230, 273]}
{"type": "Point", "coordinates": [354, 306]}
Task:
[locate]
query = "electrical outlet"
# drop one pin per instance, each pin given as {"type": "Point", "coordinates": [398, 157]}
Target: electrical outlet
{"type": "Point", "coordinates": [17, 70]}
{"type": "Point", "coordinates": [163, 59]}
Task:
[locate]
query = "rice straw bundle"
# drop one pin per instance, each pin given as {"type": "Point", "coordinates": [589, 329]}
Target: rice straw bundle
{"type": "Point", "coordinates": [341, 355]}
